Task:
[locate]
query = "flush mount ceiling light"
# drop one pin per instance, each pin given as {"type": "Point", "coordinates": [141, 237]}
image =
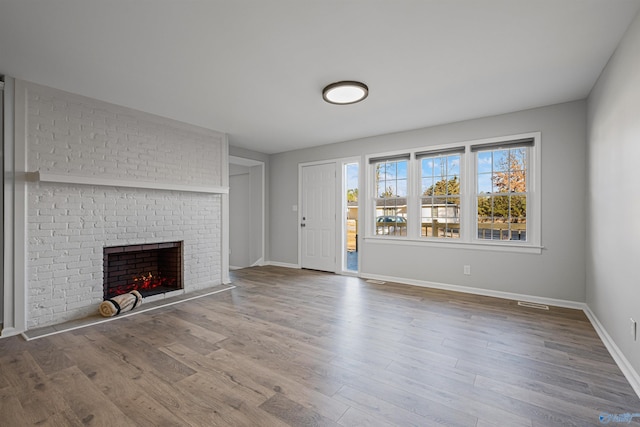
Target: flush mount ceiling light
{"type": "Point", "coordinates": [343, 93]}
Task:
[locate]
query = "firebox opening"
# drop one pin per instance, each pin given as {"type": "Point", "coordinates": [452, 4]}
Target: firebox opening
{"type": "Point", "coordinates": [150, 269]}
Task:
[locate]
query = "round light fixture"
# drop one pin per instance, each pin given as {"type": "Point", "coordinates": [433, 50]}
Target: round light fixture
{"type": "Point", "coordinates": [343, 93]}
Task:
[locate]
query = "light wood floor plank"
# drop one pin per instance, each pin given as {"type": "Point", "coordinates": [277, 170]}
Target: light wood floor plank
{"type": "Point", "coordinates": [89, 404]}
{"type": "Point", "coordinates": [10, 408]}
{"type": "Point", "coordinates": [41, 401]}
{"type": "Point", "coordinates": [122, 387]}
{"type": "Point", "coordinates": [356, 418]}
{"type": "Point", "coordinates": [283, 384]}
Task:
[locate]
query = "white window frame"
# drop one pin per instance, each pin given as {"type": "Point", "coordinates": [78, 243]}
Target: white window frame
{"type": "Point", "coordinates": [370, 206]}
{"type": "Point", "coordinates": [419, 155]}
{"type": "Point", "coordinates": [468, 201]}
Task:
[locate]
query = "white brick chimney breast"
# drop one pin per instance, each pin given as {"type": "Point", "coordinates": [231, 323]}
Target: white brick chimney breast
{"type": "Point", "coordinates": [106, 176]}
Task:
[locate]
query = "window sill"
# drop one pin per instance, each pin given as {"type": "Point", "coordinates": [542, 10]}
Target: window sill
{"type": "Point", "coordinates": [449, 244]}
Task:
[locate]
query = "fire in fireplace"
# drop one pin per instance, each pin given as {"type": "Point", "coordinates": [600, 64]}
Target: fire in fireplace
{"type": "Point", "coordinates": [150, 268]}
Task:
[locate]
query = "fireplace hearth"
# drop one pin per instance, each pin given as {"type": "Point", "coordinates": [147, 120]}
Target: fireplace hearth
{"type": "Point", "coordinates": [150, 269]}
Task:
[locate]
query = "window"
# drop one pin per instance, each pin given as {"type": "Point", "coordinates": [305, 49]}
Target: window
{"type": "Point", "coordinates": [502, 191]}
{"type": "Point", "coordinates": [440, 193]}
{"type": "Point", "coordinates": [479, 193]}
{"type": "Point", "coordinates": [391, 183]}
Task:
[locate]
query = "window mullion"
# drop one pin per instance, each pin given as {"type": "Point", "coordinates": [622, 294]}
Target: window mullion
{"type": "Point", "coordinates": [412, 199]}
{"type": "Point", "coordinates": [372, 200]}
{"type": "Point", "coordinates": [469, 202]}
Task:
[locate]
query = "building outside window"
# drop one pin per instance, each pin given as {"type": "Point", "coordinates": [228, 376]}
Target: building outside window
{"type": "Point", "coordinates": [440, 193]}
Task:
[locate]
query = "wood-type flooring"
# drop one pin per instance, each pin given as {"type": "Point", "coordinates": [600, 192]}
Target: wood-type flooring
{"type": "Point", "coordinates": [305, 348]}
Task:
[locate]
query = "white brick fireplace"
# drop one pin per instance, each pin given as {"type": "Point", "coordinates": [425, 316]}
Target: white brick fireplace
{"type": "Point", "coordinates": [102, 175]}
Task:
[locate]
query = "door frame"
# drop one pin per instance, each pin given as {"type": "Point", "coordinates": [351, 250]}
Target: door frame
{"type": "Point", "coordinates": [14, 194]}
{"type": "Point", "coordinates": [242, 161]}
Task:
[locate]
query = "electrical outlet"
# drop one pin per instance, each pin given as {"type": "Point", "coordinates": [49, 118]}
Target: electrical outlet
{"type": "Point", "coordinates": [633, 329]}
{"type": "Point", "coordinates": [467, 270]}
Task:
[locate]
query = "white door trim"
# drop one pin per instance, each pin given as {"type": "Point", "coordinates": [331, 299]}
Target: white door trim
{"type": "Point", "coordinates": [14, 280]}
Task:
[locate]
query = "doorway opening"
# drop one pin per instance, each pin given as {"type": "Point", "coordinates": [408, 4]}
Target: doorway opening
{"type": "Point", "coordinates": [246, 213]}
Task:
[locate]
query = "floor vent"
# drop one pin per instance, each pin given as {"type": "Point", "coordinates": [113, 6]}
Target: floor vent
{"type": "Point", "coordinates": [533, 305]}
{"type": "Point", "coordinates": [376, 282]}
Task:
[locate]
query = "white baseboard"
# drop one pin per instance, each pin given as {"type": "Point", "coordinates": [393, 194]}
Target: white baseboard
{"type": "Point", "coordinates": [632, 376]}
{"type": "Point", "coordinates": [258, 263]}
{"type": "Point", "coordinates": [9, 332]}
{"type": "Point", "coordinates": [479, 291]}
{"type": "Point", "coordinates": [282, 264]}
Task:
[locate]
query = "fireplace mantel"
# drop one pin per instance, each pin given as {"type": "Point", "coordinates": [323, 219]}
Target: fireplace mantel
{"type": "Point", "coordinates": [45, 176]}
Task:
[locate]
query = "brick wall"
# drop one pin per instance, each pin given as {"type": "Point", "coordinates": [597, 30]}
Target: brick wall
{"type": "Point", "coordinates": [68, 225]}
{"type": "Point", "coordinates": [72, 134]}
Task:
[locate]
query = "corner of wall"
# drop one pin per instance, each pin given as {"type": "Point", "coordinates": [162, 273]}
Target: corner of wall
{"type": "Point", "coordinates": [612, 293]}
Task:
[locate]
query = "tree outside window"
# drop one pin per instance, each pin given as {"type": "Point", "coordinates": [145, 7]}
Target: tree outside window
{"type": "Point", "coordinates": [502, 194]}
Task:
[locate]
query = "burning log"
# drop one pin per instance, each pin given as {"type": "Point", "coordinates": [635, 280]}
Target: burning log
{"type": "Point", "coordinates": [120, 303]}
{"type": "Point", "coordinates": [143, 283]}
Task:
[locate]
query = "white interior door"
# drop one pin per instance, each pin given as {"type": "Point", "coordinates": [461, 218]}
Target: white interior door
{"type": "Point", "coordinates": [318, 217]}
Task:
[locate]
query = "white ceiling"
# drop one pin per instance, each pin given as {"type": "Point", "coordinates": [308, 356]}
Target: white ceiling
{"type": "Point", "coordinates": [255, 68]}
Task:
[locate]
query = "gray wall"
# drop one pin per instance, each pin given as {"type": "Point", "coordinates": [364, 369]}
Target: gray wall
{"type": "Point", "coordinates": [612, 284]}
{"type": "Point", "coordinates": [559, 272]}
